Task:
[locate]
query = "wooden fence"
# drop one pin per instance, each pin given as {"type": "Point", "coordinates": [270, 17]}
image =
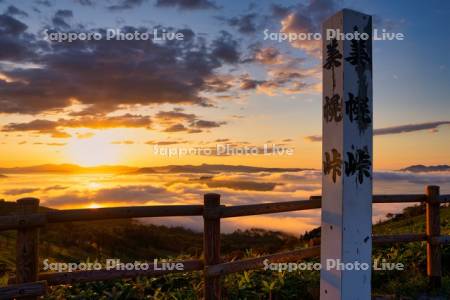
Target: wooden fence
{"type": "Point", "coordinates": [30, 284]}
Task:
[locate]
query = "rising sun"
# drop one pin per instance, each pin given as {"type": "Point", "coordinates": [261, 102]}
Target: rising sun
{"type": "Point", "coordinates": [94, 151]}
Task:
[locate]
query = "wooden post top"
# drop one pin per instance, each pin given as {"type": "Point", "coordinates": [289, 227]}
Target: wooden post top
{"type": "Point", "coordinates": [432, 192]}
{"type": "Point", "coordinates": [212, 199]}
{"type": "Point", "coordinates": [432, 189]}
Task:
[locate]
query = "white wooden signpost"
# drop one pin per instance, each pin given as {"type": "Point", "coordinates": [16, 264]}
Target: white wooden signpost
{"type": "Point", "coordinates": [347, 157]}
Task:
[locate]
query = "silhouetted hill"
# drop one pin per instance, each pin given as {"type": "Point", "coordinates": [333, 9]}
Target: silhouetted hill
{"type": "Point", "coordinates": [213, 168]}
{"type": "Point", "coordinates": [204, 168]}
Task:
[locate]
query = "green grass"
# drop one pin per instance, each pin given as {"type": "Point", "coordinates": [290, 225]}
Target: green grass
{"type": "Point", "coordinates": [412, 224]}
{"type": "Point", "coordinates": [131, 241]}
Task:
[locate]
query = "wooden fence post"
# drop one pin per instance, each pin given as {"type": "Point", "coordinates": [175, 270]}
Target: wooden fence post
{"type": "Point", "coordinates": [433, 229]}
{"type": "Point", "coordinates": [27, 256]}
{"type": "Point", "coordinates": [211, 244]}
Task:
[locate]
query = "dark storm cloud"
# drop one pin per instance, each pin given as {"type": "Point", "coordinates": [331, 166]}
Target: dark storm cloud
{"type": "Point", "coordinates": [85, 2]}
{"type": "Point", "coordinates": [187, 4]}
{"type": "Point", "coordinates": [207, 124]}
{"type": "Point", "coordinates": [194, 130]}
{"type": "Point", "coordinates": [176, 128]}
{"type": "Point", "coordinates": [175, 115]}
{"type": "Point", "coordinates": [126, 120]}
{"type": "Point", "coordinates": [279, 11]}
{"type": "Point", "coordinates": [14, 11]}
{"type": "Point", "coordinates": [433, 126]}
{"type": "Point", "coordinates": [281, 79]}
{"type": "Point", "coordinates": [106, 74]}
{"type": "Point", "coordinates": [245, 24]}
{"type": "Point", "coordinates": [55, 188]}
{"type": "Point", "coordinates": [10, 26]}
{"type": "Point", "coordinates": [410, 128]}
{"type": "Point", "coordinates": [35, 125]}
{"type": "Point", "coordinates": [178, 121]}
{"type": "Point", "coordinates": [64, 13]}
{"type": "Point", "coordinates": [194, 127]}
{"type": "Point", "coordinates": [313, 138]}
{"type": "Point", "coordinates": [225, 48]}
{"type": "Point", "coordinates": [171, 121]}
{"type": "Point", "coordinates": [219, 83]}
{"type": "Point", "coordinates": [126, 4]}
{"type": "Point", "coordinates": [54, 128]}
{"type": "Point", "coordinates": [250, 84]}
{"type": "Point", "coordinates": [61, 18]}
{"type": "Point", "coordinates": [15, 192]}
{"type": "Point", "coordinates": [46, 3]}
{"type": "Point", "coordinates": [165, 143]}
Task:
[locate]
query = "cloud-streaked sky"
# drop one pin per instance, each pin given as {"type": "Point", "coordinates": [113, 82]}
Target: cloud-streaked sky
{"type": "Point", "coordinates": [110, 102]}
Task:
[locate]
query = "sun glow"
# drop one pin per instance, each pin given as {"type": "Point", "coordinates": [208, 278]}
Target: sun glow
{"type": "Point", "coordinates": [94, 205]}
{"type": "Point", "coordinates": [94, 185]}
{"type": "Point", "coordinates": [93, 151]}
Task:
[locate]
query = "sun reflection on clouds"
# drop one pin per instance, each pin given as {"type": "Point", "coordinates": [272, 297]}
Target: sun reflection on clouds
{"type": "Point", "coordinates": [73, 191]}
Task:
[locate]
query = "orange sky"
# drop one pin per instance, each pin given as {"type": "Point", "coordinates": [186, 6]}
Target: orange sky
{"type": "Point", "coordinates": [112, 102]}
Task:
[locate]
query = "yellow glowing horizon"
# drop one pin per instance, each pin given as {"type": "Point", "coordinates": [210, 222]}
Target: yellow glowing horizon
{"type": "Point", "coordinates": [94, 151]}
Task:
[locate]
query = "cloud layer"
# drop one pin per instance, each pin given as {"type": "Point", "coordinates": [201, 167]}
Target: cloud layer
{"type": "Point", "coordinates": [236, 188]}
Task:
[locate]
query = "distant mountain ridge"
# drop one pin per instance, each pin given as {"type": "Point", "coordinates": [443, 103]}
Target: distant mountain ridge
{"type": "Point", "coordinates": [423, 168]}
{"type": "Point", "coordinates": [213, 168]}
{"type": "Point", "coordinates": [204, 168]}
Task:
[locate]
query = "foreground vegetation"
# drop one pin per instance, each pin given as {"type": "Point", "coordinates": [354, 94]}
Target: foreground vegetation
{"type": "Point", "coordinates": [130, 240]}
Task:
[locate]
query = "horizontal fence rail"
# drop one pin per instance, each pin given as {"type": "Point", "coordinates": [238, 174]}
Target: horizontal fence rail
{"type": "Point", "coordinates": [443, 239]}
{"type": "Point", "coordinates": [28, 220]}
{"type": "Point", "coordinates": [24, 290]}
{"type": "Point", "coordinates": [444, 198]}
{"type": "Point", "coordinates": [268, 208]}
{"type": "Point", "coordinates": [399, 238]}
{"type": "Point", "coordinates": [95, 214]}
{"type": "Point", "coordinates": [258, 262]}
